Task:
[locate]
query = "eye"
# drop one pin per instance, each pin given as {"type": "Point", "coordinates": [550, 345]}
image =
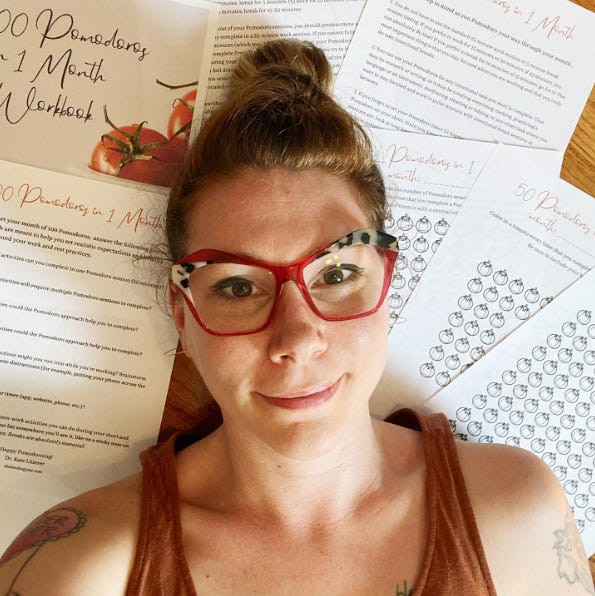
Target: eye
{"type": "Point", "coordinates": [337, 275]}
{"type": "Point", "coordinates": [235, 287]}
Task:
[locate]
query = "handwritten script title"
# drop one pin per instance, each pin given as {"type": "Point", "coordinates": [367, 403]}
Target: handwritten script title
{"type": "Point", "coordinates": [29, 195]}
{"type": "Point", "coordinates": [48, 47]}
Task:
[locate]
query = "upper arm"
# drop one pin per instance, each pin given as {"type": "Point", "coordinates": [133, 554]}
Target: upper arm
{"type": "Point", "coordinates": [83, 546]}
{"type": "Point", "coordinates": [529, 535]}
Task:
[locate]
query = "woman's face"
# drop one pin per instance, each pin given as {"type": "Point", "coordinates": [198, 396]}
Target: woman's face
{"type": "Point", "coordinates": [302, 383]}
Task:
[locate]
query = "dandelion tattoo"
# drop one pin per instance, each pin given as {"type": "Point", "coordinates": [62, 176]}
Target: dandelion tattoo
{"type": "Point", "coordinates": [571, 558]}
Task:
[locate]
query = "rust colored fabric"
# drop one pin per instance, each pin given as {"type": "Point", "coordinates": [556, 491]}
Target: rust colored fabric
{"type": "Point", "coordinates": [160, 567]}
{"type": "Point", "coordinates": [455, 562]}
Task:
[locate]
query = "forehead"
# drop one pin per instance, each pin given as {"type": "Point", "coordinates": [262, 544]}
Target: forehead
{"type": "Point", "coordinates": [277, 215]}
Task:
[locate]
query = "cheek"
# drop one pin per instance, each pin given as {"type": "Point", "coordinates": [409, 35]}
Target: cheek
{"type": "Point", "coordinates": [368, 343]}
{"type": "Point", "coordinates": [223, 363]}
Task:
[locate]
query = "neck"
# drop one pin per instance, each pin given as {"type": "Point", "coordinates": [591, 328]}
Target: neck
{"type": "Point", "coordinates": [309, 487]}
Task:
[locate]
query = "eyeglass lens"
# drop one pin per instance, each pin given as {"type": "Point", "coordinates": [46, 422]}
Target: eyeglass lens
{"type": "Point", "coordinates": [238, 298]}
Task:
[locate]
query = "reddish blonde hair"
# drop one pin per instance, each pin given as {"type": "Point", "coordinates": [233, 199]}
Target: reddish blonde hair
{"type": "Point", "coordinates": [279, 113]}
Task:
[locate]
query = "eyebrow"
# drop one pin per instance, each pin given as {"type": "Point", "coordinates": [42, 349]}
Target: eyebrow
{"type": "Point", "coordinates": [252, 257]}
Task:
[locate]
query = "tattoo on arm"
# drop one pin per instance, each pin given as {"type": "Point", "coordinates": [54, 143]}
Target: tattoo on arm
{"type": "Point", "coordinates": [403, 591]}
{"type": "Point", "coordinates": [50, 526]}
{"type": "Point", "coordinates": [572, 561]}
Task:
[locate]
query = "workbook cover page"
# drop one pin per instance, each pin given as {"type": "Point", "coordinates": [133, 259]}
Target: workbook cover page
{"type": "Point", "coordinates": [84, 86]}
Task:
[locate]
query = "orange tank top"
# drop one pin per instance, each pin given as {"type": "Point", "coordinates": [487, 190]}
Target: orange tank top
{"type": "Point", "coordinates": [454, 562]}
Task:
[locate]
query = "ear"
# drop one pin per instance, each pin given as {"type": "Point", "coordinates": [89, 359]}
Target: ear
{"type": "Point", "coordinates": [176, 303]}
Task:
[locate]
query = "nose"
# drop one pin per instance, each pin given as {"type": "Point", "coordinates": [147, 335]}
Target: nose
{"type": "Point", "coordinates": [296, 332]}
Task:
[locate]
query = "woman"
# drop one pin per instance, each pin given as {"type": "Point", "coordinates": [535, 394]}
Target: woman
{"type": "Point", "coordinates": [278, 295]}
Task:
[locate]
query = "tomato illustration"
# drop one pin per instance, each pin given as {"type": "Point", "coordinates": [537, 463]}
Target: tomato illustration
{"type": "Point", "coordinates": [180, 118]}
{"type": "Point", "coordinates": [139, 153]}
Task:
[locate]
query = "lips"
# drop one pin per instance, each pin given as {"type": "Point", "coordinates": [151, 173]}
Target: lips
{"type": "Point", "coordinates": [309, 398]}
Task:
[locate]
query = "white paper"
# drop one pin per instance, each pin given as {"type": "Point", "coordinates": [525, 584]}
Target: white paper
{"type": "Point", "coordinates": [244, 24]}
{"type": "Point", "coordinates": [521, 237]}
{"type": "Point", "coordinates": [427, 180]}
{"type": "Point", "coordinates": [536, 390]}
{"type": "Point", "coordinates": [83, 370]}
{"type": "Point", "coordinates": [517, 72]}
{"type": "Point", "coordinates": [62, 62]}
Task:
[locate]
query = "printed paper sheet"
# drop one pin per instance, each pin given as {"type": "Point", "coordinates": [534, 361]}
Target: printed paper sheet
{"type": "Point", "coordinates": [83, 339]}
{"type": "Point", "coordinates": [427, 180]}
{"type": "Point", "coordinates": [517, 72]}
{"type": "Point", "coordinates": [521, 238]}
{"type": "Point", "coordinates": [61, 63]}
{"type": "Point", "coordinates": [536, 390]}
{"type": "Point", "coordinates": [242, 25]}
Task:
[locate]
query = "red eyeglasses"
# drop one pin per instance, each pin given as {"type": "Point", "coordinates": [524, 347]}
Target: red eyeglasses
{"type": "Point", "coordinates": [232, 295]}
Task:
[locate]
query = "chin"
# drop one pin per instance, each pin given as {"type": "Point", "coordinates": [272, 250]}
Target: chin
{"type": "Point", "coordinates": [315, 437]}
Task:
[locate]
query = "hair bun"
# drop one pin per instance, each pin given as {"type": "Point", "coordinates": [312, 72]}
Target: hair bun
{"type": "Point", "coordinates": [280, 113]}
{"type": "Point", "coordinates": [283, 60]}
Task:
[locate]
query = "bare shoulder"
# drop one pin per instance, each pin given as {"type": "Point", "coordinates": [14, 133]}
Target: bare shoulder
{"type": "Point", "coordinates": [524, 521]}
{"type": "Point", "coordinates": [504, 475]}
{"type": "Point", "coordinates": [82, 546]}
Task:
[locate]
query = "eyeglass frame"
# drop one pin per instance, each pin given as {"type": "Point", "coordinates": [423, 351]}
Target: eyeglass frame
{"type": "Point", "coordinates": [383, 242]}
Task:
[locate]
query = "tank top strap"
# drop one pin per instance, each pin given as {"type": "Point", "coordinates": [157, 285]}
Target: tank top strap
{"type": "Point", "coordinates": [455, 561]}
{"type": "Point", "coordinates": [160, 565]}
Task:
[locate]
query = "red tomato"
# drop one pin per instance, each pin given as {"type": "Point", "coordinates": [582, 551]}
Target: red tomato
{"type": "Point", "coordinates": [138, 153]}
{"type": "Point", "coordinates": [180, 118]}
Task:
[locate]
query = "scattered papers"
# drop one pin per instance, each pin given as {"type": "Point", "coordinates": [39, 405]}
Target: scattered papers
{"type": "Point", "coordinates": [536, 390]}
{"type": "Point", "coordinates": [517, 72]}
{"type": "Point", "coordinates": [428, 179]}
{"type": "Point", "coordinates": [521, 238]}
{"type": "Point", "coordinates": [492, 277]}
